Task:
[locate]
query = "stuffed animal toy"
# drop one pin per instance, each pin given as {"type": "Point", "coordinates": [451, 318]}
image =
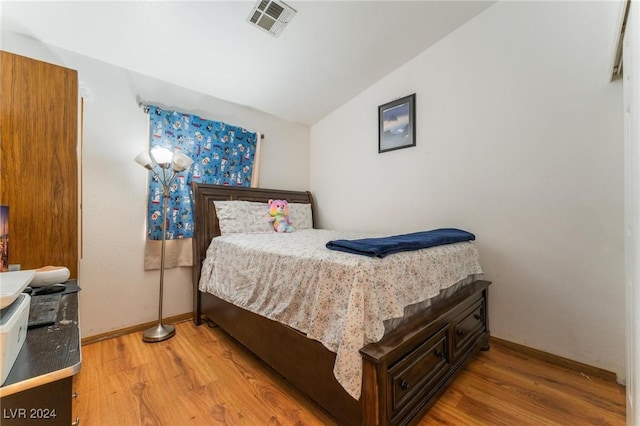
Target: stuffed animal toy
{"type": "Point", "coordinates": [279, 215]}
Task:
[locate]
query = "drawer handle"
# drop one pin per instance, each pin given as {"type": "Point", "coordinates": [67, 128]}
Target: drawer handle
{"type": "Point", "coordinates": [459, 332]}
{"type": "Point", "coordinates": [477, 316]}
{"type": "Point", "coordinates": [404, 385]}
{"type": "Point", "coordinates": [76, 422]}
{"type": "Point", "coordinates": [74, 395]}
{"type": "Point", "coordinates": [439, 353]}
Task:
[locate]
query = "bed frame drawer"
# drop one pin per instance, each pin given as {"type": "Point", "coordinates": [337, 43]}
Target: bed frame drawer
{"type": "Point", "coordinates": [467, 326]}
{"type": "Point", "coordinates": [412, 369]}
{"type": "Point", "coordinates": [415, 373]}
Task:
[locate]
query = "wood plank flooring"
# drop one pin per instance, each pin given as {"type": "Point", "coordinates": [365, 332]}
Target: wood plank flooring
{"type": "Point", "coordinates": [202, 377]}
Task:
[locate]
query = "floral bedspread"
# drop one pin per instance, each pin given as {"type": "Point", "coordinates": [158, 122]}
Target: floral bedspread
{"type": "Point", "coordinates": [337, 298]}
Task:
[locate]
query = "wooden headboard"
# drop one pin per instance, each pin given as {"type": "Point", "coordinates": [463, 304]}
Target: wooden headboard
{"type": "Point", "coordinates": [206, 224]}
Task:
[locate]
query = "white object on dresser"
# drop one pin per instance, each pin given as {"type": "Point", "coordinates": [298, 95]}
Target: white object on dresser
{"type": "Point", "coordinates": [49, 275]}
{"type": "Point", "coordinates": [14, 320]}
{"type": "Point", "coordinates": [12, 284]}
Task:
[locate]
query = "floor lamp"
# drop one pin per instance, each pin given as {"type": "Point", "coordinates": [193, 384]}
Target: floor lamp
{"type": "Point", "coordinates": [165, 166]}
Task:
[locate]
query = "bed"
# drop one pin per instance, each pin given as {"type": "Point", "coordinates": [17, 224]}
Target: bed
{"type": "Point", "coordinates": [402, 372]}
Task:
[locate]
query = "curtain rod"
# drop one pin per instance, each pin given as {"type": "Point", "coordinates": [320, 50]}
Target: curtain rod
{"type": "Point", "coordinates": [145, 108]}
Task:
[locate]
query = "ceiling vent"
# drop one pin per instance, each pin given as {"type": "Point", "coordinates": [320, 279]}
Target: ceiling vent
{"type": "Point", "coordinates": [271, 16]}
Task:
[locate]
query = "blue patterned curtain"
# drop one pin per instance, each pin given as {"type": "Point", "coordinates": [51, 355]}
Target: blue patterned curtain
{"type": "Point", "coordinates": [222, 154]}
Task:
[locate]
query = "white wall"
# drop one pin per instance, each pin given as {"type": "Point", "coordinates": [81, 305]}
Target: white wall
{"type": "Point", "coordinates": [519, 140]}
{"type": "Point", "coordinates": [631, 108]}
{"type": "Point", "coordinates": [116, 291]}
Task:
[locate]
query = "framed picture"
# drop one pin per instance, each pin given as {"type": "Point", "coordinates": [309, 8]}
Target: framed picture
{"type": "Point", "coordinates": [397, 124]}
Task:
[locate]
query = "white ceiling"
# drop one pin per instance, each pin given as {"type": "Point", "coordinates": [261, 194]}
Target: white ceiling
{"type": "Point", "coordinates": [330, 52]}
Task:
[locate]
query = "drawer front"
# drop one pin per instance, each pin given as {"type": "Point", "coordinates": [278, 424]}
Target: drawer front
{"type": "Point", "coordinates": [45, 405]}
{"type": "Point", "coordinates": [467, 326]}
{"type": "Point", "coordinates": [416, 371]}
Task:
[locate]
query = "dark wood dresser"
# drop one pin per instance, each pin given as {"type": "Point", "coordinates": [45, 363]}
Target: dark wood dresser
{"type": "Point", "coordinates": [38, 389]}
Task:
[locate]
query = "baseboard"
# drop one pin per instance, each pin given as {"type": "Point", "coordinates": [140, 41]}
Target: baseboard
{"type": "Point", "coordinates": [586, 369]}
{"type": "Point", "coordinates": [589, 370]}
{"type": "Point", "coordinates": [134, 329]}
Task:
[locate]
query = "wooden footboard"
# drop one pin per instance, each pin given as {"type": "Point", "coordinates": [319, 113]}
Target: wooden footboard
{"type": "Point", "coordinates": [403, 374]}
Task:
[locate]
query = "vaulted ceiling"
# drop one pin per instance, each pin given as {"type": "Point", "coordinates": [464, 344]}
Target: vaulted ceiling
{"type": "Point", "coordinates": [330, 52]}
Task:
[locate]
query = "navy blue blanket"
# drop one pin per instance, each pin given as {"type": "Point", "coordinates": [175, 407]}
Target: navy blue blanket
{"type": "Point", "coordinates": [380, 247]}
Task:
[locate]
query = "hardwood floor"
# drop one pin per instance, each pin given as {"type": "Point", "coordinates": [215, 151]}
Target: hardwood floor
{"type": "Point", "coordinates": [202, 377]}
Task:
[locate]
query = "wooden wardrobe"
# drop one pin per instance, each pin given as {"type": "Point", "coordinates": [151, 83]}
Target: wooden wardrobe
{"type": "Point", "coordinates": [39, 161]}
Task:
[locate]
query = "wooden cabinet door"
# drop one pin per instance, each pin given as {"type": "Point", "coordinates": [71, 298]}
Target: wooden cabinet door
{"type": "Point", "coordinates": [39, 161]}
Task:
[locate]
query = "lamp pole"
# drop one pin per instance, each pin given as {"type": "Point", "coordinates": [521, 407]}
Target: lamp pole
{"type": "Point", "coordinates": [160, 331]}
{"type": "Point", "coordinates": [177, 162]}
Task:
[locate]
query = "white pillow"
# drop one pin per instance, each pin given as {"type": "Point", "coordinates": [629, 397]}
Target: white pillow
{"type": "Point", "coordinates": [300, 215]}
{"type": "Point", "coordinates": [251, 217]}
{"type": "Point", "coordinates": [242, 216]}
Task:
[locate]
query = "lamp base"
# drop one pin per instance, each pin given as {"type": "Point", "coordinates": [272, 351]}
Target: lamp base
{"type": "Point", "coordinates": [159, 333]}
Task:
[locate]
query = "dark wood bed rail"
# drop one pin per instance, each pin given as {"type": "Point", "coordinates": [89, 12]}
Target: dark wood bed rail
{"type": "Point", "coordinates": [204, 230]}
